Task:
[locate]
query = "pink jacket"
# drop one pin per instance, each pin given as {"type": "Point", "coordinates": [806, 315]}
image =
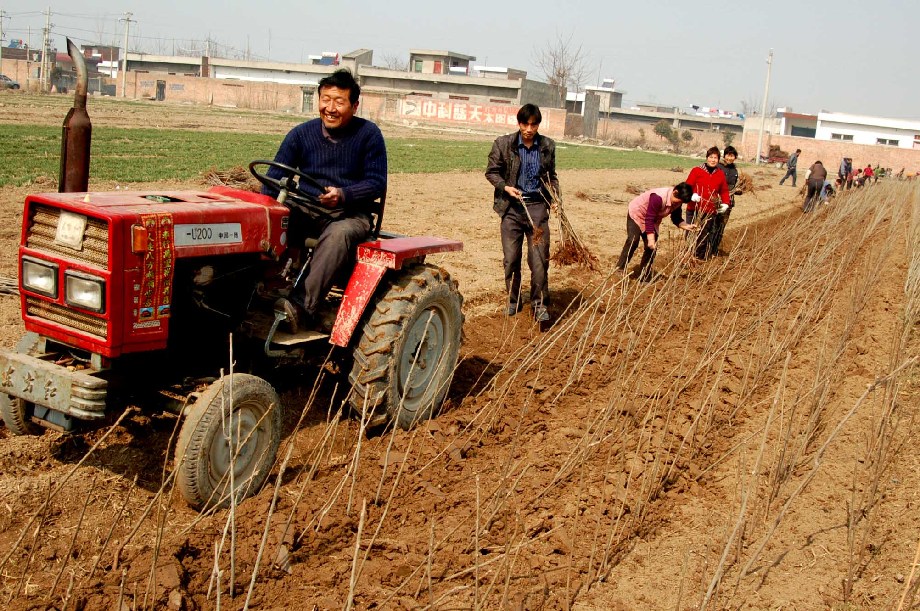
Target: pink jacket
{"type": "Point", "coordinates": [652, 207]}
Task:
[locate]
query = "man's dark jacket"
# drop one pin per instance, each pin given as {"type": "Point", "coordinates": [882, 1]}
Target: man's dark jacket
{"type": "Point", "coordinates": [505, 167]}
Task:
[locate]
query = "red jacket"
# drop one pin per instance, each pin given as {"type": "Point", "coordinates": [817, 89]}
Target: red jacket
{"type": "Point", "coordinates": [710, 187]}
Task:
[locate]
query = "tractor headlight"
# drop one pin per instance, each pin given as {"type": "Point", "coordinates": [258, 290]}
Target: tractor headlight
{"type": "Point", "coordinates": [84, 291]}
{"type": "Point", "coordinates": [39, 276]}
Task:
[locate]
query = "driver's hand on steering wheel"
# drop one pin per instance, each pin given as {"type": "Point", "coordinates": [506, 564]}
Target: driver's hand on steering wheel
{"type": "Point", "coordinates": [332, 197]}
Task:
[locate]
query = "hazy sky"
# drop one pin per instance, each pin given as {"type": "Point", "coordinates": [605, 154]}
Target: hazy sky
{"type": "Point", "coordinates": [836, 55]}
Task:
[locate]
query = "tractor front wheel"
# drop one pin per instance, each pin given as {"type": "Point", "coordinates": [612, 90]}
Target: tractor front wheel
{"type": "Point", "coordinates": [231, 432]}
{"type": "Point", "coordinates": [408, 347]}
{"type": "Point", "coordinates": [17, 415]}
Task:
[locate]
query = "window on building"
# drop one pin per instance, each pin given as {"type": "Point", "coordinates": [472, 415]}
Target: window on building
{"type": "Point", "coordinates": [437, 67]}
{"type": "Point", "coordinates": [458, 97]}
{"type": "Point", "coordinates": [418, 65]}
{"type": "Point", "coordinates": [843, 137]}
{"type": "Point", "coordinates": [803, 132]}
{"type": "Point", "coordinates": [887, 141]}
{"type": "Point", "coordinates": [497, 101]}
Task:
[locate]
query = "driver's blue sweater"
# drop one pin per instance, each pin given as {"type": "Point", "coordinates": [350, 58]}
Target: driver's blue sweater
{"type": "Point", "coordinates": [356, 162]}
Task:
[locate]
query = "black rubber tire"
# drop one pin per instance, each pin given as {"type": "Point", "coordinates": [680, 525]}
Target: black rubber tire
{"type": "Point", "coordinates": [390, 336]}
{"type": "Point", "coordinates": [17, 416]}
{"type": "Point", "coordinates": [203, 451]}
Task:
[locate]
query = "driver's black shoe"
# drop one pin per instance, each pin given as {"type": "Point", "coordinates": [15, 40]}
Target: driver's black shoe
{"type": "Point", "coordinates": [292, 314]}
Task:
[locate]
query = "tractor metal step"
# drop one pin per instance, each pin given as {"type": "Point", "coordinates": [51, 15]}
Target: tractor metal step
{"type": "Point", "coordinates": [302, 337]}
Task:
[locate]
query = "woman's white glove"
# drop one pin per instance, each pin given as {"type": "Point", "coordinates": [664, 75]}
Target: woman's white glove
{"type": "Point", "coordinates": [695, 198]}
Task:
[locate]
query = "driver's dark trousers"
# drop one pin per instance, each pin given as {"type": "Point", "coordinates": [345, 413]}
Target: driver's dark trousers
{"type": "Point", "coordinates": [335, 252]}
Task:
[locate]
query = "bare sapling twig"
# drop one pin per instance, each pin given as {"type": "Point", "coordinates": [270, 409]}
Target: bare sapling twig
{"type": "Point", "coordinates": [910, 579]}
{"type": "Point", "coordinates": [38, 530]}
{"type": "Point", "coordinates": [73, 540]}
{"type": "Point", "coordinates": [353, 579]}
{"type": "Point", "coordinates": [108, 536]}
{"type": "Point", "coordinates": [268, 522]}
{"type": "Point", "coordinates": [816, 462]}
{"type": "Point", "coordinates": [40, 513]}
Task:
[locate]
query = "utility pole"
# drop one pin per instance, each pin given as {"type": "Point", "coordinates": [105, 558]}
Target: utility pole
{"type": "Point", "coordinates": [124, 63]}
{"type": "Point", "coordinates": [2, 17]}
{"type": "Point", "coordinates": [763, 106]}
{"type": "Point", "coordinates": [43, 75]}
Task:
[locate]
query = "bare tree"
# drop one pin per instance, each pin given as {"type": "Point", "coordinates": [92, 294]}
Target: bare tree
{"type": "Point", "coordinates": [395, 62]}
{"type": "Point", "coordinates": [564, 65]}
{"type": "Point", "coordinates": [751, 107]}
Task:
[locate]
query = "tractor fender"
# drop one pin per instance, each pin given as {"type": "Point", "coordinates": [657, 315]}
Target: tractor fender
{"type": "Point", "coordinates": [374, 259]}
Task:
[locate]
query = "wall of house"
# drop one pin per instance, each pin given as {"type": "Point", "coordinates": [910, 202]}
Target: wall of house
{"type": "Point", "coordinates": [541, 94]}
{"type": "Point", "coordinates": [476, 114]}
{"type": "Point", "coordinates": [864, 134]}
{"type": "Point", "coordinates": [789, 122]}
{"type": "Point", "coordinates": [439, 86]}
{"type": "Point", "coordinates": [630, 134]}
{"type": "Point", "coordinates": [831, 152]}
{"type": "Point", "coordinates": [254, 74]}
{"type": "Point", "coordinates": [234, 94]}
{"type": "Point", "coordinates": [23, 71]}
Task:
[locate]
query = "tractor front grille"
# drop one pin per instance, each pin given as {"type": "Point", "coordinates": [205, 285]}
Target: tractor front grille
{"type": "Point", "coordinates": [43, 227]}
{"type": "Point", "coordinates": [67, 317]}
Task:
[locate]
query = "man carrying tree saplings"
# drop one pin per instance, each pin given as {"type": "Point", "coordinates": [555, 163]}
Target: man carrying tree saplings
{"type": "Point", "coordinates": [646, 212]}
{"type": "Point", "coordinates": [522, 168]}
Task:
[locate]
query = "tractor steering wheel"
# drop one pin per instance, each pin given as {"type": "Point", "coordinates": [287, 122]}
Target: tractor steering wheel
{"type": "Point", "coordinates": [289, 190]}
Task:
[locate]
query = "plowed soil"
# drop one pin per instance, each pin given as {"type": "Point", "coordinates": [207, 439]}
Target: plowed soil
{"type": "Point", "coordinates": [739, 434]}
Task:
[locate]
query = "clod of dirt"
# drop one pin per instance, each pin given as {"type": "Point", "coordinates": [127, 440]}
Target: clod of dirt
{"type": "Point", "coordinates": [237, 177]}
{"type": "Point", "coordinates": [634, 189]}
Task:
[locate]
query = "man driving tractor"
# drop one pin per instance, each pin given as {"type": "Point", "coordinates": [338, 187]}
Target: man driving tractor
{"type": "Point", "coordinates": [347, 157]}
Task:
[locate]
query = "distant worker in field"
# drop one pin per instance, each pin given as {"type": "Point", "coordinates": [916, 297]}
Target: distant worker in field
{"type": "Point", "coordinates": [644, 218]}
{"type": "Point", "coordinates": [858, 178]}
{"type": "Point", "coordinates": [347, 155]}
{"type": "Point", "coordinates": [711, 188]}
{"type": "Point", "coordinates": [791, 166]}
{"type": "Point", "coordinates": [522, 168]}
{"type": "Point", "coordinates": [727, 165]}
{"type": "Point", "coordinates": [868, 175]}
{"type": "Point", "coordinates": [817, 174]}
{"type": "Point", "coordinates": [846, 166]}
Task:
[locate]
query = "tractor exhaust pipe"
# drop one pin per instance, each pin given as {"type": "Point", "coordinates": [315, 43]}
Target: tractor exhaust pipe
{"type": "Point", "coordinates": [76, 133]}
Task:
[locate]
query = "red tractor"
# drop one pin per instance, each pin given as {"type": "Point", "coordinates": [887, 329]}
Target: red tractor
{"type": "Point", "coordinates": [128, 296]}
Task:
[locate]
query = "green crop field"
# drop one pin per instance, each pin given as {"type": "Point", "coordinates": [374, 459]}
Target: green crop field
{"type": "Point", "coordinates": [147, 155]}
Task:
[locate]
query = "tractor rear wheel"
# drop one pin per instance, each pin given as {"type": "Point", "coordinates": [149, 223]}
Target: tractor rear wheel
{"type": "Point", "coordinates": [17, 415]}
{"type": "Point", "coordinates": [235, 423]}
{"type": "Point", "coordinates": [408, 346]}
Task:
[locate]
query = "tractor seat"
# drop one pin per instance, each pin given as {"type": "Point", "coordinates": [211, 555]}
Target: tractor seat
{"type": "Point", "coordinates": [376, 211]}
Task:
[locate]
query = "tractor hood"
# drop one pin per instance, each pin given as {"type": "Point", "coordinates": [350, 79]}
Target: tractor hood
{"type": "Point", "coordinates": [219, 220]}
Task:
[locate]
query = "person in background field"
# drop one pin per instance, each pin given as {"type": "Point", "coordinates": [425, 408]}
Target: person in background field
{"type": "Point", "coordinates": [846, 166]}
{"type": "Point", "coordinates": [644, 218]}
{"type": "Point", "coordinates": [868, 174]}
{"type": "Point", "coordinates": [858, 179]}
{"type": "Point", "coordinates": [731, 177]}
{"type": "Point", "coordinates": [711, 188]}
{"type": "Point", "coordinates": [827, 192]}
{"type": "Point", "coordinates": [791, 166]}
{"type": "Point", "coordinates": [347, 155]}
{"type": "Point", "coordinates": [816, 177]}
{"type": "Point", "coordinates": [522, 168]}
{"type": "Point", "coordinates": [851, 175]}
